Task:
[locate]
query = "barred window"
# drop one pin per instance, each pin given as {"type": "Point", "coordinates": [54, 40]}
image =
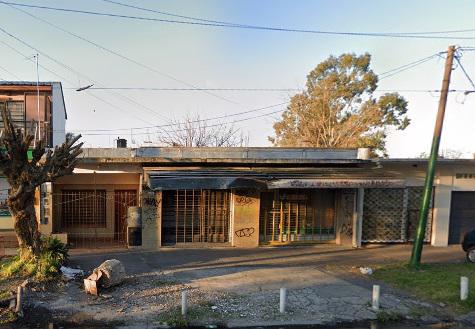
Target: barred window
{"type": "Point", "coordinates": [83, 208]}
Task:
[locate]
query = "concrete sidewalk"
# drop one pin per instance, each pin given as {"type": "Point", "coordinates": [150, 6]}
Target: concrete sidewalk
{"type": "Point", "coordinates": [241, 286]}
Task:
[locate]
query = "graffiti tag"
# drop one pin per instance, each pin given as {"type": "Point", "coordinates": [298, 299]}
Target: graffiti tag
{"type": "Point", "coordinates": [244, 200]}
{"type": "Point", "coordinates": [244, 232]}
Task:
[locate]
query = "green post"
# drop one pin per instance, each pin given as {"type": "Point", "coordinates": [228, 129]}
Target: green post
{"type": "Point", "coordinates": [429, 181]}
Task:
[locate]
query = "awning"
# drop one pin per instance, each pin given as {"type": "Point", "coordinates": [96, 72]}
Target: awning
{"type": "Point", "coordinates": [211, 183]}
{"type": "Point", "coordinates": [334, 183]}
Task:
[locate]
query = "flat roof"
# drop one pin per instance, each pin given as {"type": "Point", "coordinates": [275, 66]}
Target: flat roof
{"type": "Point", "coordinates": [242, 155]}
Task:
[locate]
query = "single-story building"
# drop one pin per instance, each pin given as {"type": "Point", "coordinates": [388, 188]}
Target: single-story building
{"type": "Point", "coordinates": [248, 197]}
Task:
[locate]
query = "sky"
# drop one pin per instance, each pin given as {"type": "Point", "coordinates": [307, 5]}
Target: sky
{"type": "Point", "coordinates": [174, 55]}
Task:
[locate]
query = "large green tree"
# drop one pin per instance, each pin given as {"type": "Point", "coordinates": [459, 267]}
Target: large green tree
{"type": "Point", "coordinates": [338, 108]}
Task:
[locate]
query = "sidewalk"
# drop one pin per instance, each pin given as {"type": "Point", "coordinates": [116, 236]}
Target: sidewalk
{"type": "Point", "coordinates": [240, 287]}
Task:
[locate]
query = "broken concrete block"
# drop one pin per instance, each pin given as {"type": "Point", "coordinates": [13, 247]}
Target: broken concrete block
{"type": "Point", "coordinates": [108, 274]}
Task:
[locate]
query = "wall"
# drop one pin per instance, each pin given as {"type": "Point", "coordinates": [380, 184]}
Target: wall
{"type": "Point", "coordinates": [59, 115]}
{"type": "Point", "coordinates": [98, 181]}
{"type": "Point", "coordinates": [151, 219]}
{"type": "Point", "coordinates": [345, 216]}
{"type": "Point", "coordinates": [245, 219]}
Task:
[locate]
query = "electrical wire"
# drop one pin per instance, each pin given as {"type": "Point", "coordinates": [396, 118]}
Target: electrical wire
{"type": "Point", "coordinates": [171, 14]}
{"type": "Point", "coordinates": [457, 58]}
{"type": "Point", "coordinates": [70, 82]}
{"type": "Point", "coordinates": [184, 129]}
{"type": "Point", "coordinates": [196, 89]}
{"type": "Point", "coordinates": [69, 68]}
{"type": "Point", "coordinates": [406, 67]}
{"type": "Point", "coordinates": [116, 53]}
{"type": "Point", "coordinates": [253, 27]}
{"type": "Point", "coordinates": [191, 121]}
{"type": "Point", "coordinates": [9, 72]}
{"type": "Point", "coordinates": [199, 19]}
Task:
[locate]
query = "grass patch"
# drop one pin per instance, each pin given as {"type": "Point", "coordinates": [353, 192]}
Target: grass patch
{"type": "Point", "coordinates": [45, 266]}
{"type": "Point", "coordinates": [438, 283]}
{"type": "Point", "coordinates": [388, 316]}
{"type": "Point", "coordinates": [196, 313]}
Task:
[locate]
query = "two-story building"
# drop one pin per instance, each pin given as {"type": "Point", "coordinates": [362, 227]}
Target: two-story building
{"type": "Point", "coordinates": [33, 107]}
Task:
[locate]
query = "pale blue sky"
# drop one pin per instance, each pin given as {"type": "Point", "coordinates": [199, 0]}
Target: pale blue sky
{"type": "Point", "coordinates": [238, 58]}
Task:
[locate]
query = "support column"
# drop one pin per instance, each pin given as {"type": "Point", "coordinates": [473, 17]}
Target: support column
{"type": "Point", "coordinates": [151, 219]}
{"type": "Point", "coordinates": [358, 219]}
{"type": "Point", "coordinates": [245, 226]}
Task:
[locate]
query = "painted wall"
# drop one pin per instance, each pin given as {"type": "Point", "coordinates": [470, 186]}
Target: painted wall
{"type": "Point", "coordinates": [58, 115]}
{"type": "Point", "coordinates": [105, 181]}
{"type": "Point", "coordinates": [151, 219]}
{"type": "Point", "coordinates": [245, 219]}
{"type": "Point", "coordinates": [345, 215]}
{"type": "Point", "coordinates": [445, 182]}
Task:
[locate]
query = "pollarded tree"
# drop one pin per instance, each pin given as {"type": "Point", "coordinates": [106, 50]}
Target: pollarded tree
{"type": "Point", "coordinates": [338, 108]}
{"type": "Point", "coordinates": [25, 175]}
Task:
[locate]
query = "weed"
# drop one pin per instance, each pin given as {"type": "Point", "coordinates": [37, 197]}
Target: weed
{"type": "Point", "coordinates": [54, 254]}
{"type": "Point", "coordinates": [388, 316]}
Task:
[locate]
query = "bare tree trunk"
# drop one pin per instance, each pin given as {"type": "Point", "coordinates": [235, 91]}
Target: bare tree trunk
{"type": "Point", "coordinates": [26, 225]}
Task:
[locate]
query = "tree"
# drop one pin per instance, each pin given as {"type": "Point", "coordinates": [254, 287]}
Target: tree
{"type": "Point", "coordinates": [193, 131]}
{"type": "Point", "coordinates": [25, 175]}
{"type": "Point", "coordinates": [338, 109]}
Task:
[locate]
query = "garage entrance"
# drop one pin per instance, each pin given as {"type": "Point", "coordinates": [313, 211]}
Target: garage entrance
{"type": "Point", "coordinates": [462, 215]}
{"type": "Point", "coordinates": [195, 216]}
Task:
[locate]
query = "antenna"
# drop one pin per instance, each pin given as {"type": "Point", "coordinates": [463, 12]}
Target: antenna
{"type": "Point", "coordinates": [38, 95]}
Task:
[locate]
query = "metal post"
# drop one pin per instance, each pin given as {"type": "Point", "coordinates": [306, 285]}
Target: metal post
{"type": "Point", "coordinates": [283, 297]}
{"type": "Point", "coordinates": [184, 303]}
{"type": "Point", "coordinates": [376, 295]}
{"type": "Point", "coordinates": [429, 181]}
{"type": "Point", "coordinates": [463, 288]}
{"type": "Point", "coordinates": [18, 308]}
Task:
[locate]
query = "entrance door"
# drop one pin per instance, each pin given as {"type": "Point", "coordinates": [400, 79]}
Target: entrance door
{"type": "Point", "coordinates": [123, 199]}
{"type": "Point", "coordinates": [195, 216]}
{"type": "Point", "coordinates": [462, 215]}
{"type": "Point", "coordinates": [297, 215]}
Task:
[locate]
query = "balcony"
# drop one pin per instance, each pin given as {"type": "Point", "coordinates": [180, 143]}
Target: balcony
{"type": "Point", "coordinates": [28, 111]}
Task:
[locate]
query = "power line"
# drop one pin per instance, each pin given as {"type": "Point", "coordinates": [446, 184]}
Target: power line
{"type": "Point", "coordinates": [155, 126]}
{"type": "Point", "coordinates": [192, 121]}
{"type": "Point", "coordinates": [464, 71]}
{"type": "Point", "coordinates": [68, 81]}
{"type": "Point", "coordinates": [9, 72]}
{"type": "Point", "coordinates": [116, 53]}
{"type": "Point", "coordinates": [195, 89]}
{"type": "Point", "coordinates": [417, 35]}
{"type": "Point", "coordinates": [77, 72]}
{"type": "Point", "coordinates": [199, 19]}
{"type": "Point", "coordinates": [184, 129]}
{"type": "Point", "coordinates": [406, 67]}
{"type": "Point", "coordinates": [171, 14]}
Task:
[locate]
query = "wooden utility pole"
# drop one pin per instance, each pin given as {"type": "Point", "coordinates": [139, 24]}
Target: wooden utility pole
{"type": "Point", "coordinates": [429, 181]}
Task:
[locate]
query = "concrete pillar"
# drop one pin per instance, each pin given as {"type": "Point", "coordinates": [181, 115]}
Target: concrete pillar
{"type": "Point", "coordinates": [151, 219]}
{"type": "Point", "coordinates": [441, 211]}
{"type": "Point", "coordinates": [345, 216]}
{"type": "Point", "coordinates": [245, 219]}
{"type": "Point", "coordinates": [358, 219]}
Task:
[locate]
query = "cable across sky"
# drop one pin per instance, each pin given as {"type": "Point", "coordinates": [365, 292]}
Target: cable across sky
{"type": "Point", "coordinates": [407, 35]}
